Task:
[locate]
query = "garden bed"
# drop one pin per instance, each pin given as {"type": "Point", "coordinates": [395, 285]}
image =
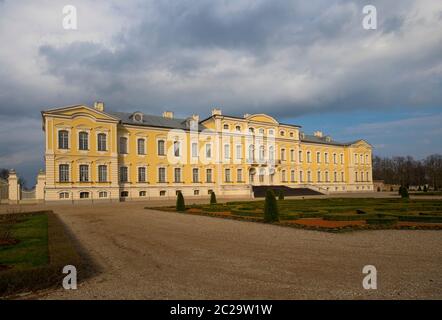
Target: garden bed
{"type": "Point", "coordinates": [334, 214]}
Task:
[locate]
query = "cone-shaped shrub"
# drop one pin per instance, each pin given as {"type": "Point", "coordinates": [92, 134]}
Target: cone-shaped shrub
{"type": "Point", "coordinates": [271, 213]}
{"type": "Point", "coordinates": [404, 192]}
{"type": "Point", "coordinates": [212, 198]}
{"type": "Point", "coordinates": [281, 195]}
{"type": "Point", "coordinates": [180, 205]}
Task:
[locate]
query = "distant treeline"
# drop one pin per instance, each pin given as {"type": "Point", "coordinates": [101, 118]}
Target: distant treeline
{"type": "Point", "coordinates": [408, 171]}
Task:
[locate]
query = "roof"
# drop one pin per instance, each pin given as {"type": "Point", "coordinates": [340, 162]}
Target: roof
{"type": "Point", "coordinates": [242, 118]}
{"type": "Point", "coordinates": [323, 140]}
{"type": "Point", "coordinates": [154, 121]}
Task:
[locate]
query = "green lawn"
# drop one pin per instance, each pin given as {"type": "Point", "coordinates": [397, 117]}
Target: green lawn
{"type": "Point", "coordinates": [32, 248]}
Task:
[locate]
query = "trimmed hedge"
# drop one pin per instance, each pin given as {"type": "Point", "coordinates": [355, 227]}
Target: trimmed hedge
{"type": "Point", "coordinates": [346, 217]}
{"type": "Point", "coordinates": [61, 253]}
{"type": "Point", "coordinates": [422, 218]}
{"type": "Point", "coordinates": [382, 220]}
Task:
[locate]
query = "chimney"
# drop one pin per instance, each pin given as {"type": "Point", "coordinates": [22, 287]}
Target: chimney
{"type": "Point", "coordinates": [318, 134]}
{"type": "Point", "coordinates": [168, 114]}
{"type": "Point", "coordinates": [98, 105]}
{"type": "Point", "coordinates": [196, 118]}
{"type": "Point", "coordinates": [216, 112]}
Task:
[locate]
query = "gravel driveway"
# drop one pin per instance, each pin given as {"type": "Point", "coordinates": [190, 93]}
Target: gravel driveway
{"type": "Point", "coordinates": [146, 254]}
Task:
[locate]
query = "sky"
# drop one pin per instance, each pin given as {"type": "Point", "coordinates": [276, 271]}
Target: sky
{"type": "Point", "coordinates": [309, 63]}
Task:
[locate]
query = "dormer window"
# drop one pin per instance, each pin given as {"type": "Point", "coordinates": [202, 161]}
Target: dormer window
{"type": "Point", "coordinates": [137, 117]}
{"type": "Point", "coordinates": [282, 133]}
{"type": "Point", "coordinates": [238, 128]}
{"type": "Point", "coordinates": [226, 126]}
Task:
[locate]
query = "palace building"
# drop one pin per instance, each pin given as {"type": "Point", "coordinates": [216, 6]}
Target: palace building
{"type": "Point", "coordinates": [97, 154]}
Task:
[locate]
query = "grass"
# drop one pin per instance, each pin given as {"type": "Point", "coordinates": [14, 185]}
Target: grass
{"type": "Point", "coordinates": [32, 248]}
{"type": "Point", "coordinates": [36, 261]}
{"type": "Point", "coordinates": [373, 211]}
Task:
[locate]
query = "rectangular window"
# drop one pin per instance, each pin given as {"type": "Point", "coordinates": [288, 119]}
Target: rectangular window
{"type": "Point", "coordinates": [195, 175]}
{"type": "Point", "coordinates": [123, 145]}
{"type": "Point", "coordinates": [208, 150]}
{"type": "Point", "coordinates": [101, 142]}
{"type": "Point", "coordinates": [141, 146]}
{"type": "Point", "coordinates": [318, 157]}
{"type": "Point", "coordinates": [319, 176]}
{"type": "Point", "coordinates": [63, 172]}
{"type": "Point", "coordinates": [83, 143]}
{"type": "Point", "coordinates": [335, 161]}
{"type": "Point", "coordinates": [63, 139]}
{"type": "Point", "coordinates": [102, 173]}
{"type": "Point", "coordinates": [292, 176]}
{"type": "Point", "coordinates": [177, 175]}
{"type": "Point", "coordinates": [309, 176]}
{"type": "Point", "coordinates": [326, 157]}
{"type": "Point", "coordinates": [342, 176]}
{"type": "Point", "coordinates": [162, 175]}
{"type": "Point", "coordinates": [194, 149]}
{"type": "Point", "coordinates": [300, 155]}
{"type": "Point", "coordinates": [239, 175]}
{"type": "Point", "coordinates": [292, 155]}
{"type": "Point", "coordinates": [326, 177]}
{"type": "Point", "coordinates": [283, 154]}
{"type": "Point", "coordinates": [301, 177]}
{"type": "Point", "coordinates": [209, 175]}
{"type": "Point", "coordinates": [227, 151]}
{"type": "Point", "coordinates": [124, 174]}
{"type": "Point", "coordinates": [227, 175]}
{"type": "Point", "coordinates": [161, 148]}
{"type": "Point", "coordinates": [84, 173]}
{"type": "Point", "coordinates": [141, 174]}
{"type": "Point", "coordinates": [238, 151]}
{"type": "Point", "coordinates": [335, 177]}
{"type": "Point", "coordinates": [342, 158]}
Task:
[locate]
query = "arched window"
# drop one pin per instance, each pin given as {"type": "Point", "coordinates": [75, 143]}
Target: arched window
{"type": "Point", "coordinates": [83, 143]}
{"type": "Point", "coordinates": [261, 131]}
{"type": "Point", "coordinates": [238, 128]}
{"type": "Point", "coordinates": [271, 153]}
{"type": "Point", "coordinates": [84, 195]}
{"type": "Point", "coordinates": [251, 130]}
{"type": "Point", "coordinates": [63, 195]}
{"type": "Point", "coordinates": [261, 153]}
{"type": "Point", "coordinates": [251, 152]}
{"type": "Point", "coordinates": [282, 133]}
{"type": "Point", "coordinates": [101, 142]}
{"type": "Point", "coordinates": [226, 126]}
{"type": "Point", "coordinates": [63, 139]}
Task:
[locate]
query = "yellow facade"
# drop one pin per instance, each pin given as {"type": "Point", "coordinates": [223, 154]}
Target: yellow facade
{"type": "Point", "coordinates": [94, 154]}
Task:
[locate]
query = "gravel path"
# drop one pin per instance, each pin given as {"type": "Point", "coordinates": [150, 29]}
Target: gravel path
{"type": "Point", "coordinates": [146, 254]}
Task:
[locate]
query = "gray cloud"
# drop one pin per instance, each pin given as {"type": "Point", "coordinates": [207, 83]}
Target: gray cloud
{"type": "Point", "coordinates": [286, 58]}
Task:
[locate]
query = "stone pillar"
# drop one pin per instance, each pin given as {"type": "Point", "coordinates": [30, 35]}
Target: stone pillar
{"type": "Point", "coordinates": [14, 187]}
{"type": "Point", "coordinates": [40, 187]}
